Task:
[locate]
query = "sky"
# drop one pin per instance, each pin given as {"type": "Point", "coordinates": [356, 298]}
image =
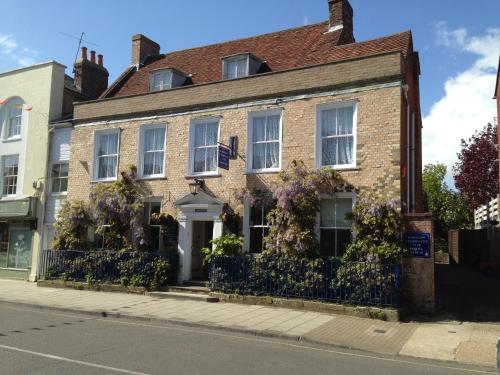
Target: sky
{"type": "Point", "coordinates": [458, 42]}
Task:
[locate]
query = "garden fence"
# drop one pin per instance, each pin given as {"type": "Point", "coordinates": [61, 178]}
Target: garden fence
{"type": "Point", "coordinates": [329, 280]}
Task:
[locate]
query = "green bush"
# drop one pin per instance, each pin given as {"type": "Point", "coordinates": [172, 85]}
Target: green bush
{"type": "Point", "coordinates": [226, 245]}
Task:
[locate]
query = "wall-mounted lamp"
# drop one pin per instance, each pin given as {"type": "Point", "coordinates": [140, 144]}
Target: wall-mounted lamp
{"type": "Point", "coordinates": [195, 186]}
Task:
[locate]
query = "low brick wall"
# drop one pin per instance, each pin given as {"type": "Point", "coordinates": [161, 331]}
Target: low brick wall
{"type": "Point", "coordinates": [96, 287]}
{"type": "Point", "coordinates": [386, 314]}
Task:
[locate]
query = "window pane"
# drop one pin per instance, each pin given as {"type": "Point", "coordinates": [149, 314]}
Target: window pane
{"type": "Point", "coordinates": [259, 129]}
{"type": "Point", "coordinates": [113, 144]}
{"type": "Point", "coordinates": [327, 213]}
{"type": "Point", "coordinates": [212, 134]}
{"type": "Point", "coordinates": [273, 128]}
{"type": "Point", "coordinates": [344, 120]}
{"type": "Point", "coordinates": [345, 150]}
{"type": "Point", "coordinates": [55, 170]}
{"type": "Point", "coordinates": [159, 139]}
{"type": "Point", "coordinates": [242, 67]}
{"type": "Point", "coordinates": [199, 135]}
{"type": "Point", "coordinates": [329, 151]}
{"type": "Point", "coordinates": [63, 185]}
{"type": "Point", "coordinates": [158, 166]}
{"type": "Point", "coordinates": [343, 240]}
{"type": "Point", "coordinates": [230, 66]}
{"type": "Point", "coordinates": [211, 159]}
{"type": "Point", "coordinates": [149, 140]}
{"type": "Point", "coordinates": [148, 163]}
{"type": "Point", "coordinates": [199, 160]}
{"type": "Point", "coordinates": [256, 216]}
{"type": "Point", "coordinates": [9, 174]}
{"type": "Point", "coordinates": [259, 156]}
{"type": "Point", "coordinates": [272, 155]}
{"type": "Point", "coordinates": [327, 242]}
{"type": "Point", "coordinates": [257, 239]}
{"type": "Point", "coordinates": [344, 206]}
{"type": "Point", "coordinates": [63, 170]}
{"type": "Point", "coordinates": [155, 207]}
{"type": "Point", "coordinates": [328, 119]}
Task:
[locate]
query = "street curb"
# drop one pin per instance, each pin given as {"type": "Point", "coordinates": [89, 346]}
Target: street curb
{"type": "Point", "coordinates": [114, 315]}
{"type": "Point", "coordinates": [211, 327]}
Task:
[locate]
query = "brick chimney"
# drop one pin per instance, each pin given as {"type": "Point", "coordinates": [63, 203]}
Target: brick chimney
{"type": "Point", "coordinates": [91, 78]}
{"type": "Point", "coordinates": [341, 18]}
{"type": "Point", "coordinates": [143, 47]}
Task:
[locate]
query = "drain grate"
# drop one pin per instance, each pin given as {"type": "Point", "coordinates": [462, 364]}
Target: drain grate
{"type": "Point", "coordinates": [380, 331]}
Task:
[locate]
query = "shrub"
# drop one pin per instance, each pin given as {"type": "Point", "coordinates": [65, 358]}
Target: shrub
{"type": "Point", "coordinates": [227, 244]}
{"type": "Point", "coordinates": [71, 226]}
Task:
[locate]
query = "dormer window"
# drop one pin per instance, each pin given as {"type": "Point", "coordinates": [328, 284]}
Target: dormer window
{"type": "Point", "coordinates": [239, 66]}
{"type": "Point", "coordinates": [165, 79]}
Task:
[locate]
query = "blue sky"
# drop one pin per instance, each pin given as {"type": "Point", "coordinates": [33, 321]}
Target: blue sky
{"type": "Point", "coordinates": [458, 41]}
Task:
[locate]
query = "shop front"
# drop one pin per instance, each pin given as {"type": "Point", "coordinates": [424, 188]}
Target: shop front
{"type": "Point", "coordinates": [17, 226]}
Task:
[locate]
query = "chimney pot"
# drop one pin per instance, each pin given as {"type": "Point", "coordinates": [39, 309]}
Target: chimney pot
{"type": "Point", "coordinates": [99, 60]}
{"type": "Point", "coordinates": [92, 56]}
{"type": "Point", "coordinates": [84, 53]}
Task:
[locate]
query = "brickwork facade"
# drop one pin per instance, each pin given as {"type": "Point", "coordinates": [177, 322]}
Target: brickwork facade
{"type": "Point", "coordinates": [378, 147]}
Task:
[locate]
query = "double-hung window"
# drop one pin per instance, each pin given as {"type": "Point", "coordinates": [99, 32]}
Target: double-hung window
{"type": "Point", "coordinates": [14, 121]}
{"type": "Point", "coordinates": [10, 170]}
{"type": "Point", "coordinates": [204, 140]}
{"type": "Point", "coordinates": [106, 155]}
{"type": "Point", "coordinates": [335, 228]}
{"type": "Point", "coordinates": [152, 151]}
{"type": "Point", "coordinates": [258, 227]}
{"type": "Point", "coordinates": [264, 134]}
{"type": "Point", "coordinates": [59, 178]}
{"type": "Point", "coordinates": [161, 80]}
{"type": "Point", "coordinates": [336, 135]}
{"type": "Point", "coordinates": [236, 67]}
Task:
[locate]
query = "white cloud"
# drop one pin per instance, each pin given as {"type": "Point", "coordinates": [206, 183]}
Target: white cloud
{"type": "Point", "coordinates": [10, 50]}
{"type": "Point", "coordinates": [467, 105]}
{"type": "Point", "coordinates": [7, 44]}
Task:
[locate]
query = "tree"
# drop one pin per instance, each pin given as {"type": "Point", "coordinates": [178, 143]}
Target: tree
{"type": "Point", "coordinates": [449, 207]}
{"type": "Point", "coordinates": [476, 172]}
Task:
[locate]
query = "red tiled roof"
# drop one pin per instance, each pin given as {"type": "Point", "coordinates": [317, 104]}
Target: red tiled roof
{"type": "Point", "coordinates": [283, 50]}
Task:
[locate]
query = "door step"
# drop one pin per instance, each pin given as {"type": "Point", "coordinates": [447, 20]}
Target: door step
{"type": "Point", "coordinates": [184, 296]}
{"type": "Point", "coordinates": [190, 289]}
{"type": "Point", "coordinates": [201, 283]}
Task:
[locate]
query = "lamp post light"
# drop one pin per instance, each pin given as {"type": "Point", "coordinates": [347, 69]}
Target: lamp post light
{"type": "Point", "coordinates": [195, 186]}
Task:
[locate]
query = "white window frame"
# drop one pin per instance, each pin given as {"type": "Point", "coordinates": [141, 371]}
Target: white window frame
{"type": "Point", "coordinates": [251, 116]}
{"type": "Point", "coordinates": [7, 117]}
{"type": "Point", "coordinates": [2, 164]}
{"type": "Point", "coordinates": [319, 145]}
{"type": "Point", "coordinates": [353, 197]}
{"type": "Point", "coordinates": [95, 166]}
{"type": "Point", "coordinates": [246, 227]}
{"type": "Point", "coordinates": [52, 164]}
{"type": "Point", "coordinates": [141, 151]}
{"type": "Point", "coordinates": [164, 86]}
{"type": "Point", "coordinates": [192, 126]}
{"type": "Point", "coordinates": [230, 59]}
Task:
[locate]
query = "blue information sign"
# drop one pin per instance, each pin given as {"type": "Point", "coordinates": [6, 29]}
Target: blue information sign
{"type": "Point", "coordinates": [419, 244]}
{"type": "Point", "coordinates": [224, 157]}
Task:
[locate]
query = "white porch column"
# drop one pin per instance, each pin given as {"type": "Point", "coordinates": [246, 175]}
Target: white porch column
{"type": "Point", "coordinates": [185, 229]}
{"type": "Point", "coordinates": [218, 227]}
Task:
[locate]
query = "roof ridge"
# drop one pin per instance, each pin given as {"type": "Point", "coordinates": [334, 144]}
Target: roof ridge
{"type": "Point", "coordinates": [246, 38]}
{"type": "Point", "coordinates": [373, 40]}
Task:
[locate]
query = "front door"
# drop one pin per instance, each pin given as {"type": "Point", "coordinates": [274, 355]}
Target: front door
{"type": "Point", "coordinates": [202, 234]}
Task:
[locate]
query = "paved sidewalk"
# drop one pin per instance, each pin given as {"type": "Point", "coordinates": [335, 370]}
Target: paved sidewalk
{"type": "Point", "coordinates": [471, 343]}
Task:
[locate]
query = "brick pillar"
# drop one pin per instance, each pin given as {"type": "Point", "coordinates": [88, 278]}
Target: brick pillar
{"type": "Point", "coordinates": [418, 269]}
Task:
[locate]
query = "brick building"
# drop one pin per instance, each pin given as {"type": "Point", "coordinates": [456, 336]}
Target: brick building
{"type": "Point", "coordinates": [311, 93]}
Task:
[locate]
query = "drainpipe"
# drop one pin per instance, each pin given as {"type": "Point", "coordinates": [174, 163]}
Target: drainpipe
{"type": "Point", "coordinates": [405, 92]}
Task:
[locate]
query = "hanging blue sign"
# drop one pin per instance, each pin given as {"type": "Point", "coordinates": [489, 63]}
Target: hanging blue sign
{"type": "Point", "coordinates": [419, 244]}
{"type": "Point", "coordinates": [224, 157]}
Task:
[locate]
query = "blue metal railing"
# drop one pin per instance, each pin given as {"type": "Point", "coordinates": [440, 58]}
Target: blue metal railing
{"type": "Point", "coordinates": [330, 280]}
{"type": "Point", "coordinates": [104, 266]}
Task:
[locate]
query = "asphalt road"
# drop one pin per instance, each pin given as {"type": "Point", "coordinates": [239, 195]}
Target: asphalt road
{"type": "Point", "coordinates": [45, 342]}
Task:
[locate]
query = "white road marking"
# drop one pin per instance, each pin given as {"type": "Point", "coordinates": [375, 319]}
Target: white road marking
{"type": "Point", "coordinates": [63, 359]}
{"type": "Point", "coordinates": [256, 339]}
